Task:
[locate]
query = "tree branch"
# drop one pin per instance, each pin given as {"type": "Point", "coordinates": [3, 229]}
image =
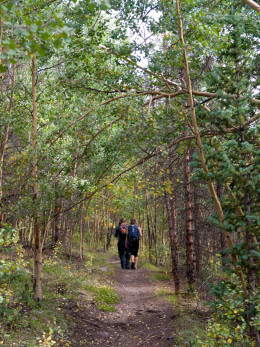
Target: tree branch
{"type": "Point", "coordinates": [252, 4]}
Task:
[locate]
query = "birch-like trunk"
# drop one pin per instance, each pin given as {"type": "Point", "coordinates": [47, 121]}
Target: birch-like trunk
{"type": "Point", "coordinates": [197, 231]}
{"type": "Point", "coordinates": [5, 139]}
{"type": "Point", "coordinates": [81, 230]}
{"type": "Point", "coordinates": [171, 216]}
{"type": "Point", "coordinates": [189, 221]}
{"type": "Point", "coordinates": [148, 229]}
{"type": "Point", "coordinates": [37, 233]}
{"type": "Point", "coordinates": [170, 202]}
{"type": "Point", "coordinates": [201, 151]}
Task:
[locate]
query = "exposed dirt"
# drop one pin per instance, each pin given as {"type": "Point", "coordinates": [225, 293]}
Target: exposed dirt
{"type": "Point", "coordinates": [141, 317]}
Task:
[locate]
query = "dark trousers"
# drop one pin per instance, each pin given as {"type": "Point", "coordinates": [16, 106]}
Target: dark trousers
{"type": "Point", "coordinates": [124, 255]}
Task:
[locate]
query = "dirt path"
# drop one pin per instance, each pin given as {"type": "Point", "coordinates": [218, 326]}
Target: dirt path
{"type": "Point", "coordinates": [141, 319]}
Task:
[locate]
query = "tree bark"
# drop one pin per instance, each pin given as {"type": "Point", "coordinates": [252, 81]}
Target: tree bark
{"type": "Point", "coordinates": [197, 231]}
{"type": "Point", "coordinates": [148, 229]}
{"type": "Point", "coordinates": [37, 233]}
{"type": "Point", "coordinates": [5, 137]}
{"type": "Point", "coordinates": [170, 203]}
{"type": "Point", "coordinates": [189, 221]}
{"type": "Point", "coordinates": [81, 231]}
{"type": "Point", "coordinates": [223, 244]}
{"type": "Point", "coordinates": [252, 4]}
{"type": "Point", "coordinates": [57, 220]}
{"type": "Point", "coordinates": [171, 213]}
{"type": "Point", "coordinates": [201, 152]}
{"type": "Point", "coordinates": [155, 234]}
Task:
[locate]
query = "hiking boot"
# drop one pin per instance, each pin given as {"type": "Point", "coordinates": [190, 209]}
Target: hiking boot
{"type": "Point", "coordinates": [133, 266]}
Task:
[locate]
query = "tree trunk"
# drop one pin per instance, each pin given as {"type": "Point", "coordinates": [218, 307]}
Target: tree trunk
{"type": "Point", "coordinates": [95, 225]}
{"type": "Point", "coordinates": [201, 152]}
{"type": "Point", "coordinates": [148, 229]}
{"type": "Point", "coordinates": [5, 137]}
{"type": "Point", "coordinates": [155, 237]}
{"type": "Point", "coordinates": [71, 234]}
{"type": "Point", "coordinates": [81, 230]}
{"type": "Point", "coordinates": [149, 239]}
{"type": "Point", "coordinates": [251, 266]}
{"type": "Point", "coordinates": [57, 221]}
{"type": "Point", "coordinates": [189, 230]}
{"type": "Point", "coordinates": [170, 202]}
{"type": "Point", "coordinates": [37, 233]}
{"type": "Point", "coordinates": [197, 232]}
{"type": "Point", "coordinates": [223, 244]}
{"type": "Point", "coordinates": [171, 213]}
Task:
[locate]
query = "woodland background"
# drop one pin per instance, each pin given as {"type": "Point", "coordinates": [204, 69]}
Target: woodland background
{"type": "Point", "coordinates": [136, 109]}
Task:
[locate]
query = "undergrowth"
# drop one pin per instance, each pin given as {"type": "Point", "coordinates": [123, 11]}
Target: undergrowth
{"type": "Point", "coordinates": [24, 322]}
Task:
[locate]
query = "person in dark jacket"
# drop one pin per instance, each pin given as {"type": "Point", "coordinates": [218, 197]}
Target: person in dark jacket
{"type": "Point", "coordinates": [134, 234]}
{"type": "Point", "coordinates": [123, 244]}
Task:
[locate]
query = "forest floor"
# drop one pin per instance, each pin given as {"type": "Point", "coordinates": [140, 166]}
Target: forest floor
{"type": "Point", "coordinates": [95, 303]}
{"type": "Point", "coordinates": [147, 314]}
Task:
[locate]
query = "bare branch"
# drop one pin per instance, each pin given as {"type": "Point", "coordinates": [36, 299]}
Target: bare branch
{"type": "Point", "coordinates": [252, 4]}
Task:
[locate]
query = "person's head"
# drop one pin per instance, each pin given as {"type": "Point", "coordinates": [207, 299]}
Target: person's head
{"type": "Point", "coordinates": [133, 221]}
{"type": "Point", "coordinates": [122, 220]}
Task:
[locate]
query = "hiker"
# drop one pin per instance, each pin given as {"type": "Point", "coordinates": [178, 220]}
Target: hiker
{"type": "Point", "coordinates": [123, 244]}
{"type": "Point", "coordinates": [134, 234]}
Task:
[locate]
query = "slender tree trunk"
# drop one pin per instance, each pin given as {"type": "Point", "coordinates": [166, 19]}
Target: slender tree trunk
{"type": "Point", "coordinates": [142, 241]}
{"type": "Point", "coordinates": [201, 152]}
{"type": "Point", "coordinates": [149, 238]}
{"type": "Point", "coordinates": [251, 266]}
{"type": "Point", "coordinates": [57, 220]}
{"type": "Point", "coordinates": [71, 234]}
{"type": "Point", "coordinates": [170, 203]}
{"type": "Point", "coordinates": [155, 237]}
{"type": "Point", "coordinates": [197, 231]}
{"type": "Point", "coordinates": [171, 213]}
{"type": "Point", "coordinates": [252, 4]}
{"type": "Point", "coordinates": [148, 229]}
{"type": "Point", "coordinates": [81, 230]}
{"type": "Point", "coordinates": [5, 137]}
{"type": "Point", "coordinates": [153, 233]}
{"type": "Point", "coordinates": [189, 228]}
{"type": "Point", "coordinates": [108, 234]}
{"type": "Point", "coordinates": [37, 233]}
{"type": "Point", "coordinates": [223, 244]}
{"type": "Point", "coordinates": [95, 225]}
{"type": "Point", "coordinates": [30, 235]}
{"type": "Point", "coordinates": [251, 272]}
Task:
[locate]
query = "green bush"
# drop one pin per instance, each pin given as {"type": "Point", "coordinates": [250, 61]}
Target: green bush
{"type": "Point", "coordinates": [229, 323]}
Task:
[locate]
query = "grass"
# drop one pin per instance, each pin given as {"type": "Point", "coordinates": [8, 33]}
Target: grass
{"type": "Point", "coordinates": [104, 297]}
{"type": "Point", "coordinates": [188, 328]}
{"type": "Point", "coordinates": [150, 266]}
{"type": "Point", "coordinates": [161, 276]}
{"type": "Point", "coordinates": [167, 294]}
{"type": "Point", "coordinates": [71, 282]}
{"type": "Point", "coordinates": [26, 322]}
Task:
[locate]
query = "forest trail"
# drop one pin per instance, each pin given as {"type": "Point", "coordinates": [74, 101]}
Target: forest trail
{"type": "Point", "coordinates": [142, 318]}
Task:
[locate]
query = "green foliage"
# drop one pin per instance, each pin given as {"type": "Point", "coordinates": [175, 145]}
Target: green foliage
{"type": "Point", "coordinates": [104, 297]}
{"type": "Point", "coordinates": [82, 88]}
{"type": "Point", "coordinates": [228, 324]}
{"type": "Point", "coordinates": [12, 271]}
{"type": "Point", "coordinates": [167, 295]}
{"type": "Point", "coordinates": [8, 236]}
{"type": "Point", "coordinates": [161, 276]}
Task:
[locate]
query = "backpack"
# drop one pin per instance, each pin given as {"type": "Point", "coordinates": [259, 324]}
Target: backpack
{"type": "Point", "coordinates": [133, 232]}
{"type": "Point", "coordinates": [123, 228]}
{"type": "Point", "coordinates": [124, 231]}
